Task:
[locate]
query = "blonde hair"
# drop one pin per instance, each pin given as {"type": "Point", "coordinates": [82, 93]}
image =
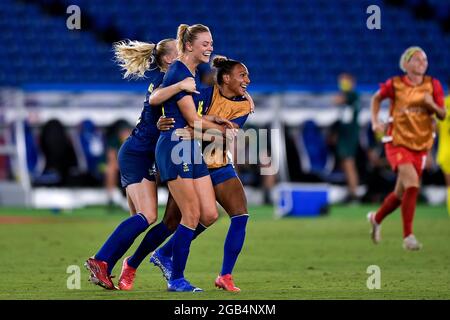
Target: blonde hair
{"type": "Point", "coordinates": [187, 34]}
{"type": "Point", "coordinates": [136, 57]}
{"type": "Point", "coordinates": [407, 55]}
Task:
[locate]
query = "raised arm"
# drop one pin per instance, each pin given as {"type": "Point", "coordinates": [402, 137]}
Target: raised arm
{"type": "Point", "coordinates": [163, 94]}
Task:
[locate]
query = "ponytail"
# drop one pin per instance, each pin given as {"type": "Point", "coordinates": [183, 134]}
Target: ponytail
{"type": "Point", "coordinates": [134, 57]}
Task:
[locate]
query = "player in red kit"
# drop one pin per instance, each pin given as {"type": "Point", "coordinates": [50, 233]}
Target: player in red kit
{"type": "Point", "coordinates": [415, 99]}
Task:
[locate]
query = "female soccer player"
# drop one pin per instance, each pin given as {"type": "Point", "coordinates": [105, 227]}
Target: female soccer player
{"type": "Point", "coordinates": [181, 163]}
{"type": "Point", "coordinates": [415, 99]}
{"type": "Point", "coordinates": [226, 99]}
{"type": "Point", "coordinates": [443, 156]}
{"type": "Point", "coordinates": [137, 155]}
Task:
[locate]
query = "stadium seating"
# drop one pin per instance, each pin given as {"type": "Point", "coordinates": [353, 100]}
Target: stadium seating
{"type": "Point", "coordinates": [284, 43]}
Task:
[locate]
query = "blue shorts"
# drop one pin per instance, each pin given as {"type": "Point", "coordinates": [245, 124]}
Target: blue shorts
{"type": "Point", "coordinates": [135, 165]}
{"type": "Point", "coordinates": [222, 174]}
{"type": "Point", "coordinates": [179, 158]}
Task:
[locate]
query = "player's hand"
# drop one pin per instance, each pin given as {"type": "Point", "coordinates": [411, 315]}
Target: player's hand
{"type": "Point", "coordinates": [188, 85]}
{"type": "Point", "coordinates": [379, 128]}
{"type": "Point", "coordinates": [186, 133]}
{"type": "Point", "coordinates": [428, 99]}
{"type": "Point", "coordinates": [225, 122]}
{"type": "Point", "coordinates": [164, 123]}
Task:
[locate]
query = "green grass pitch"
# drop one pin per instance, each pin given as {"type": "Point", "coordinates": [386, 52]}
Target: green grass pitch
{"type": "Point", "coordinates": [290, 258]}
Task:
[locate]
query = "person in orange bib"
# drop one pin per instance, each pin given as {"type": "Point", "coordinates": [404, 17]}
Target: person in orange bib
{"type": "Point", "coordinates": [415, 100]}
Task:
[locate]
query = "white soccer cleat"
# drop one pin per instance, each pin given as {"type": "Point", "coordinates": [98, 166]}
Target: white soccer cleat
{"type": "Point", "coordinates": [375, 232]}
{"type": "Point", "coordinates": [411, 243]}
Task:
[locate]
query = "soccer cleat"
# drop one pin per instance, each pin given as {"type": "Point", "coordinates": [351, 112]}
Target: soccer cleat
{"type": "Point", "coordinates": [226, 283]}
{"type": "Point", "coordinates": [99, 273]}
{"type": "Point", "coordinates": [127, 276]}
{"type": "Point", "coordinates": [181, 285]}
{"type": "Point", "coordinates": [375, 232]}
{"type": "Point", "coordinates": [163, 263]}
{"type": "Point", "coordinates": [411, 243]}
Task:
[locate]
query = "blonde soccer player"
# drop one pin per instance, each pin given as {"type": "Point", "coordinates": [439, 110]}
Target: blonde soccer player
{"type": "Point", "coordinates": [416, 99]}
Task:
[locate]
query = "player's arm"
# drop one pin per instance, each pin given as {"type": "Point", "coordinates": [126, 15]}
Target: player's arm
{"type": "Point", "coordinates": [435, 103]}
{"type": "Point", "coordinates": [375, 105]}
{"type": "Point", "coordinates": [162, 94]}
{"type": "Point", "coordinates": [434, 108]}
{"type": "Point", "coordinates": [187, 108]}
{"type": "Point", "coordinates": [219, 120]}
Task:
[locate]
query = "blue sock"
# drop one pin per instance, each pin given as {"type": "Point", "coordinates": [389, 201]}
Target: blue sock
{"type": "Point", "coordinates": [181, 243]}
{"type": "Point", "coordinates": [167, 249]}
{"type": "Point", "coordinates": [234, 242]}
{"type": "Point", "coordinates": [152, 240]}
{"type": "Point", "coordinates": [121, 239]}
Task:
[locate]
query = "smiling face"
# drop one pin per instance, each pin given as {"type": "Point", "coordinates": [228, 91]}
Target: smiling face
{"type": "Point", "coordinates": [238, 79]}
{"type": "Point", "coordinates": [201, 48]}
{"type": "Point", "coordinates": [418, 64]}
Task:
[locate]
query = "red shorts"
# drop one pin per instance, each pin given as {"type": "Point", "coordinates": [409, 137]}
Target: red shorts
{"type": "Point", "coordinates": [398, 155]}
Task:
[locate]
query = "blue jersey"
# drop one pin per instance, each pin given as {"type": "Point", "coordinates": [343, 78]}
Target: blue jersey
{"type": "Point", "coordinates": [146, 132]}
{"type": "Point", "coordinates": [177, 72]}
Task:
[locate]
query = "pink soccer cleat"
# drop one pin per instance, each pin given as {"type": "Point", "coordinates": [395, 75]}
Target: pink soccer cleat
{"type": "Point", "coordinates": [99, 273]}
{"type": "Point", "coordinates": [226, 283]}
{"type": "Point", "coordinates": [127, 276]}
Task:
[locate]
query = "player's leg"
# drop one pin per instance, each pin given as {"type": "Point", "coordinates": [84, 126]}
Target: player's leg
{"type": "Point", "coordinates": [208, 207]}
{"type": "Point", "coordinates": [208, 211]}
{"type": "Point", "coordinates": [409, 178]}
{"type": "Point", "coordinates": [391, 202]}
{"type": "Point", "coordinates": [351, 175]}
{"type": "Point", "coordinates": [171, 219]}
{"type": "Point", "coordinates": [231, 196]}
{"type": "Point", "coordinates": [162, 257]}
{"type": "Point", "coordinates": [131, 205]}
{"type": "Point", "coordinates": [143, 197]}
{"type": "Point", "coordinates": [187, 199]}
{"type": "Point", "coordinates": [155, 237]}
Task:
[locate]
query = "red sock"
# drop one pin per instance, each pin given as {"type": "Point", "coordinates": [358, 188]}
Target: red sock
{"type": "Point", "coordinates": [390, 203]}
{"type": "Point", "coordinates": [408, 209]}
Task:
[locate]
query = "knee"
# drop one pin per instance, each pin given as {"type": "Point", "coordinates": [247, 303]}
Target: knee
{"type": "Point", "coordinates": [209, 217]}
{"type": "Point", "coordinates": [410, 182]}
